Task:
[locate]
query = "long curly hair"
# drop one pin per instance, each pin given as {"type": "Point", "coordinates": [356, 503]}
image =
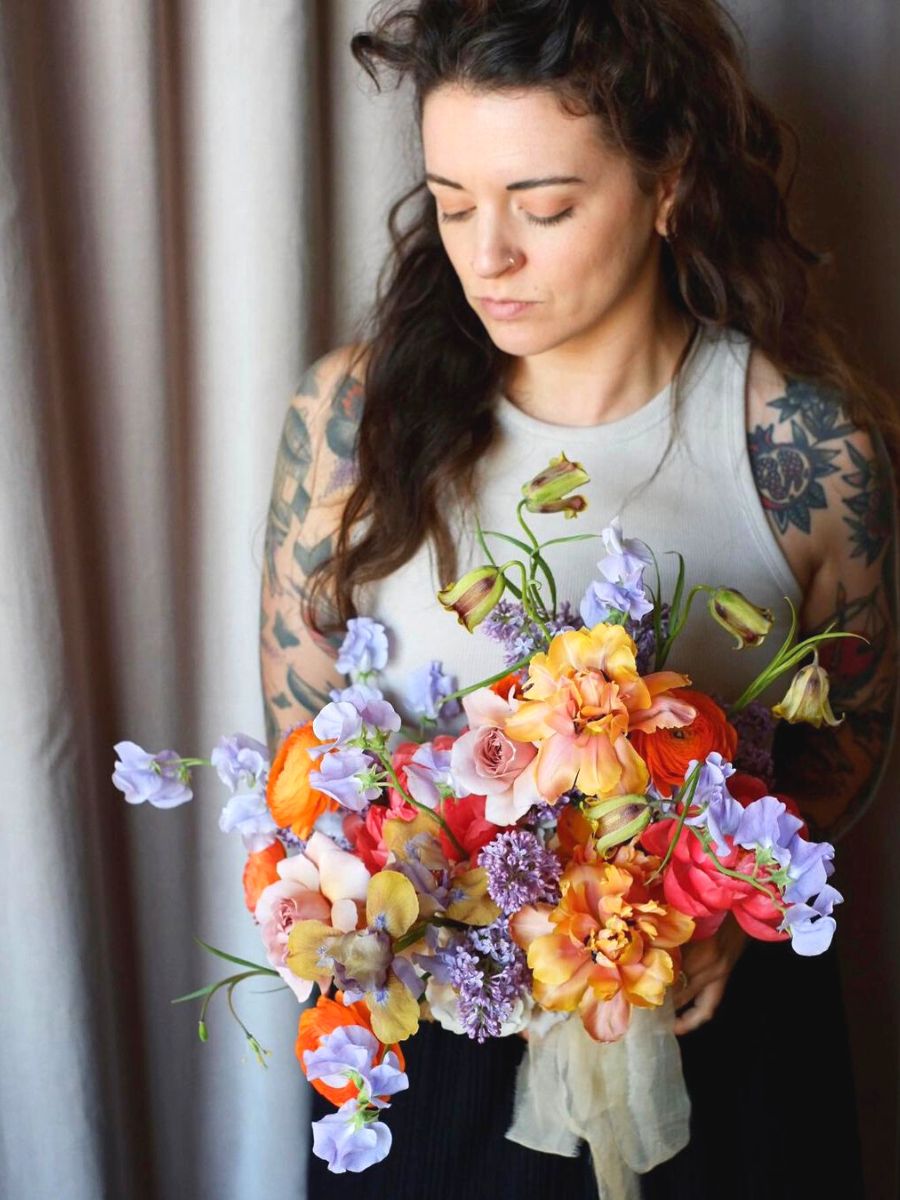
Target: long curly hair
{"type": "Point", "coordinates": [665, 78]}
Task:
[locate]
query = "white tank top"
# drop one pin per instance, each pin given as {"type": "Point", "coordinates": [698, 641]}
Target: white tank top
{"type": "Point", "coordinates": [700, 500]}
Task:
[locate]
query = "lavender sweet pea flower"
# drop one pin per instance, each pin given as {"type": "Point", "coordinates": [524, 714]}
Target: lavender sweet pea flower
{"type": "Point", "coordinates": [767, 825]}
{"type": "Point", "coordinates": [241, 762]}
{"type": "Point", "coordinates": [157, 778]}
{"type": "Point", "coordinates": [626, 594]}
{"type": "Point", "coordinates": [348, 1053]}
{"type": "Point", "coordinates": [427, 773]}
{"type": "Point", "coordinates": [371, 705]}
{"type": "Point", "coordinates": [808, 869]}
{"type": "Point", "coordinates": [347, 1142]}
{"type": "Point", "coordinates": [624, 556]}
{"type": "Point", "coordinates": [338, 723]}
{"type": "Point", "coordinates": [364, 649]}
{"type": "Point", "coordinates": [342, 776]}
{"type": "Point", "coordinates": [812, 926]}
{"type": "Point", "coordinates": [425, 691]}
{"type": "Point", "coordinates": [247, 813]}
{"type": "Point", "coordinates": [720, 812]}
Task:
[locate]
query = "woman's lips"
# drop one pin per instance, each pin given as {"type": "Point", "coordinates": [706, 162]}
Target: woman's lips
{"type": "Point", "coordinates": [505, 310]}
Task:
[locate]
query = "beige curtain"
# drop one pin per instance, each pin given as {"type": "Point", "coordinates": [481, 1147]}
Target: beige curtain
{"type": "Point", "coordinates": [192, 206]}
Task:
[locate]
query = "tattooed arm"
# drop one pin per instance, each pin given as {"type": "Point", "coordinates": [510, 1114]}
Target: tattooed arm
{"type": "Point", "coordinates": [313, 474]}
{"type": "Point", "coordinates": [828, 491]}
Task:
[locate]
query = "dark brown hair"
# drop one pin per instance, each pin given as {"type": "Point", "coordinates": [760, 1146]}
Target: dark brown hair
{"type": "Point", "coordinates": [666, 80]}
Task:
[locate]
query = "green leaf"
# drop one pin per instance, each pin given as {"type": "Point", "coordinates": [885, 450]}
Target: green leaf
{"type": "Point", "coordinates": [574, 537]}
{"type": "Point", "coordinates": [241, 962]}
{"type": "Point", "coordinates": [201, 992]}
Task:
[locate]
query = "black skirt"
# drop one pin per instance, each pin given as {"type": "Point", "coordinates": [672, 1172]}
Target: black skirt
{"type": "Point", "coordinates": [773, 1111]}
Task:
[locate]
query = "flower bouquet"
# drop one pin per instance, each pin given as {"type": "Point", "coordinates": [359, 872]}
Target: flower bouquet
{"type": "Point", "coordinates": [535, 871]}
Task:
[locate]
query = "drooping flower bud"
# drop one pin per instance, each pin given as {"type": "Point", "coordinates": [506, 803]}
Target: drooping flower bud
{"type": "Point", "coordinates": [747, 621]}
{"type": "Point", "coordinates": [550, 487]}
{"type": "Point", "coordinates": [473, 596]}
{"type": "Point", "coordinates": [807, 698]}
{"type": "Point", "coordinates": [618, 819]}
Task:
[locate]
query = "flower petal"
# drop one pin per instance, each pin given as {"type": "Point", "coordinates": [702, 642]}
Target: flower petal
{"type": "Point", "coordinates": [391, 903]}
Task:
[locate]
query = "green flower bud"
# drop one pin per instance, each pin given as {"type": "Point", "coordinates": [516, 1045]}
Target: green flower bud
{"type": "Point", "coordinates": [474, 596]}
{"type": "Point", "coordinates": [748, 622]}
{"type": "Point", "coordinates": [617, 820]}
{"type": "Point", "coordinates": [550, 486]}
{"type": "Point", "coordinates": [807, 698]}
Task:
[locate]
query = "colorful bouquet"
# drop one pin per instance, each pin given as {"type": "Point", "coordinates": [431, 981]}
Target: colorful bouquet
{"type": "Point", "coordinates": [542, 867]}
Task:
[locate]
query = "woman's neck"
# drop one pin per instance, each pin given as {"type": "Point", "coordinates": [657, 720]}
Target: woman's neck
{"type": "Point", "coordinates": [603, 375]}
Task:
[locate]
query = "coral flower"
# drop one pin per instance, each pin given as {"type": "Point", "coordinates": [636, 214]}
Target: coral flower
{"type": "Point", "coordinates": [582, 699]}
{"type": "Point", "coordinates": [260, 870]}
{"type": "Point", "coordinates": [293, 802]}
{"type": "Point", "coordinates": [605, 947]}
{"type": "Point", "coordinates": [669, 751]}
{"type": "Point", "coordinates": [323, 1018]}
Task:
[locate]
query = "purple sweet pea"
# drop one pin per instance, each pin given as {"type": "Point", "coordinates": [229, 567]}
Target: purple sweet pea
{"type": "Point", "coordinates": [627, 595]}
{"type": "Point", "coordinates": [427, 773]}
{"type": "Point", "coordinates": [241, 762]}
{"type": "Point", "coordinates": [812, 926]}
{"type": "Point", "coordinates": [364, 649]}
{"type": "Point", "coordinates": [808, 869]}
{"type": "Point", "coordinates": [337, 723]}
{"type": "Point", "coordinates": [160, 779]}
{"type": "Point", "coordinates": [767, 825]}
{"type": "Point", "coordinates": [349, 1142]}
{"type": "Point", "coordinates": [342, 776]}
{"type": "Point", "coordinates": [624, 556]}
{"type": "Point", "coordinates": [247, 813]}
{"type": "Point", "coordinates": [371, 705]}
{"type": "Point", "coordinates": [720, 812]}
{"type": "Point", "coordinates": [425, 691]}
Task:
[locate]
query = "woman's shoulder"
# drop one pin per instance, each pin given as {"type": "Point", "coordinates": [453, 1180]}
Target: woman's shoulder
{"type": "Point", "coordinates": [320, 428]}
{"type": "Point", "coordinates": [818, 471]}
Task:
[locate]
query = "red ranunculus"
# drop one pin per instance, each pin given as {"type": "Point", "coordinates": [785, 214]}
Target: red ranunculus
{"type": "Point", "coordinates": [694, 886]}
{"type": "Point", "coordinates": [470, 827]}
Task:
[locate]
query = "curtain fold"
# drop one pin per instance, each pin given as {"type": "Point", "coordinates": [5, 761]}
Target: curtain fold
{"type": "Point", "coordinates": [193, 197]}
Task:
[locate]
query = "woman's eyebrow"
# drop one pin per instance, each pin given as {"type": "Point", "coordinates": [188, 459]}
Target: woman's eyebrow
{"type": "Point", "coordinates": [520, 185]}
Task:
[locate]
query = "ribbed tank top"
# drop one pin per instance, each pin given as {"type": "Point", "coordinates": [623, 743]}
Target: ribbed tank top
{"type": "Point", "coordinates": [697, 497]}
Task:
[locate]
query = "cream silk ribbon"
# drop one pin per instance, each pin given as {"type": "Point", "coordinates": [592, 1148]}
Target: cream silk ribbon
{"type": "Point", "coordinates": [626, 1099]}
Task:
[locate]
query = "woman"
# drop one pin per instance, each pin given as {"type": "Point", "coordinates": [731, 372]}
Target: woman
{"type": "Point", "coordinates": [600, 262]}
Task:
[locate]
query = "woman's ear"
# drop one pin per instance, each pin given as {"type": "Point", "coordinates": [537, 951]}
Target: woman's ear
{"type": "Point", "coordinates": [666, 189]}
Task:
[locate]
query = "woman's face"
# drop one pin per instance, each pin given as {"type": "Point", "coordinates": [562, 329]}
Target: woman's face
{"type": "Point", "coordinates": [584, 244]}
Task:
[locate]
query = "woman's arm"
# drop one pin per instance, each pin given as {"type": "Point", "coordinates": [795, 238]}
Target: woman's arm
{"type": "Point", "coordinates": [313, 474]}
{"type": "Point", "coordinates": [828, 491]}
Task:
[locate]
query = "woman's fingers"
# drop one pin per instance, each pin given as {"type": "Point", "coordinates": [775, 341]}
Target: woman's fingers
{"type": "Point", "coordinates": [705, 1002]}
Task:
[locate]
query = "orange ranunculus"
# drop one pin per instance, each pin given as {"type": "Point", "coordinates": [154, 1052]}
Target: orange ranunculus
{"type": "Point", "coordinates": [511, 682]}
{"type": "Point", "coordinates": [323, 1018]}
{"type": "Point", "coordinates": [608, 945]}
{"type": "Point", "coordinates": [667, 752]}
{"type": "Point", "coordinates": [293, 802]}
{"type": "Point", "coordinates": [261, 870]}
{"type": "Point", "coordinates": [582, 699]}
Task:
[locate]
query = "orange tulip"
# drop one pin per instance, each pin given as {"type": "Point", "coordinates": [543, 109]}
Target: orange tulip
{"type": "Point", "coordinates": [606, 946]}
{"type": "Point", "coordinates": [582, 699]}
{"type": "Point", "coordinates": [293, 802]}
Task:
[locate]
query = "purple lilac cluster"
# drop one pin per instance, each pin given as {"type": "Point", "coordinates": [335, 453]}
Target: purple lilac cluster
{"type": "Point", "coordinates": [755, 726]}
{"type": "Point", "coordinates": [519, 870]}
{"type": "Point", "coordinates": [509, 625]}
{"type": "Point", "coordinates": [490, 974]}
{"type": "Point", "coordinates": [644, 635]}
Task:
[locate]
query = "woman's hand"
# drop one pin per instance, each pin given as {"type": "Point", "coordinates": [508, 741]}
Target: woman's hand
{"type": "Point", "coordinates": [706, 966]}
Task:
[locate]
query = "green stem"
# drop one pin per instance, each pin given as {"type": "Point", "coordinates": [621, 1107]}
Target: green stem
{"type": "Point", "coordinates": [257, 1049]}
{"type": "Point", "coordinates": [760, 887]}
{"type": "Point", "coordinates": [680, 623]}
{"type": "Point", "coordinates": [687, 795]}
{"type": "Point", "coordinates": [473, 687]}
{"type": "Point", "coordinates": [418, 930]}
{"type": "Point", "coordinates": [436, 816]}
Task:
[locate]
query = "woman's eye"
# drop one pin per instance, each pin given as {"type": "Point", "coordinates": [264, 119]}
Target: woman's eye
{"type": "Point", "coordinates": [532, 220]}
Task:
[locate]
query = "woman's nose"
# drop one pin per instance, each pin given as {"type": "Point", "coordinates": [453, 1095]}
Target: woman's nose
{"type": "Point", "coordinates": [494, 256]}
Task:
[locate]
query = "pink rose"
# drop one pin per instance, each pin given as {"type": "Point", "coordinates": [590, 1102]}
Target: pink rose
{"type": "Point", "coordinates": [488, 763]}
